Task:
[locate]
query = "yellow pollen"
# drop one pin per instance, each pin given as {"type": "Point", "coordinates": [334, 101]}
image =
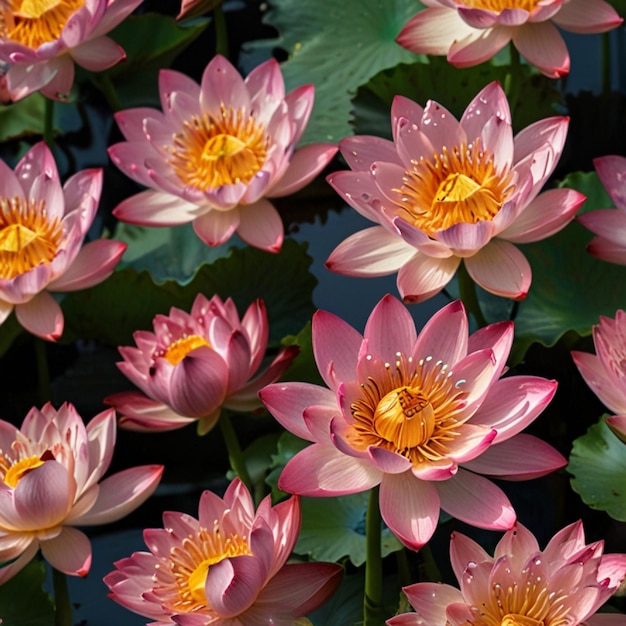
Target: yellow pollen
{"type": "Point", "coordinates": [177, 351]}
{"type": "Point", "coordinates": [35, 22]}
{"type": "Point", "coordinates": [460, 185]}
{"type": "Point", "coordinates": [20, 469]}
{"type": "Point", "coordinates": [27, 238]}
{"type": "Point", "coordinates": [212, 151]}
{"type": "Point", "coordinates": [499, 5]}
{"type": "Point", "coordinates": [519, 620]}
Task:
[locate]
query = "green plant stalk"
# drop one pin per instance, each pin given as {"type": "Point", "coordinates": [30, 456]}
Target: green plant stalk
{"type": "Point", "coordinates": [373, 614]}
{"type": "Point", "coordinates": [63, 608]}
{"type": "Point", "coordinates": [221, 31]}
{"type": "Point", "coordinates": [467, 288]}
{"type": "Point", "coordinates": [235, 454]}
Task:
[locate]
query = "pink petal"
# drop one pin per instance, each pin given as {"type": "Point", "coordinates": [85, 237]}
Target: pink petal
{"type": "Point", "coordinates": [23, 80]}
{"type": "Point", "coordinates": [261, 226]}
{"type": "Point", "coordinates": [60, 86]}
{"type": "Point", "coordinates": [156, 208]}
{"type": "Point", "coordinates": [41, 316]}
{"type": "Point", "coordinates": [541, 44]}
{"type": "Point", "coordinates": [601, 382]}
{"type": "Point", "coordinates": [617, 423]}
{"type": "Point", "coordinates": [612, 172]}
{"type": "Point", "coordinates": [587, 16]}
{"type": "Point", "coordinates": [607, 251]}
{"type": "Point", "coordinates": [361, 151]}
{"type": "Point", "coordinates": [8, 571]}
{"type": "Point", "coordinates": [464, 550]}
{"type": "Point", "coordinates": [608, 224]}
{"type": "Point", "coordinates": [222, 83]}
{"type": "Point", "coordinates": [98, 54]}
{"type": "Point", "coordinates": [430, 601]}
{"type": "Point", "coordinates": [478, 46]}
{"type": "Point", "coordinates": [465, 239]}
{"type": "Point", "coordinates": [360, 191]}
{"type": "Point", "coordinates": [69, 552]}
{"type": "Point", "coordinates": [424, 276]}
{"type": "Point", "coordinates": [420, 240]}
{"type": "Point", "coordinates": [300, 104]}
{"type": "Point", "coordinates": [387, 461]}
{"type": "Point", "coordinates": [216, 227]}
{"type": "Point", "coordinates": [490, 102]}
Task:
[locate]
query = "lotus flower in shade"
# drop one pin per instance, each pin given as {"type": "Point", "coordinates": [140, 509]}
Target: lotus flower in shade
{"type": "Point", "coordinates": [217, 152]}
{"type": "Point", "coordinates": [521, 585]}
{"type": "Point", "coordinates": [609, 225]}
{"type": "Point", "coordinates": [445, 192]}
{"type": "Point", "coordinates": [50, 482]}
{"type": "Point", "coordinates": [41, 41]}
{"type": "Point", "coordinates": [423, 416]}
{"type": "Point", "coordinates": [193, 364]}
{"type": "Point", "coordinates": [42, 228]}
{"type": "Point", "coordinates": [472, 31]}
{"type": "Point", "coordinates": [227, 567]}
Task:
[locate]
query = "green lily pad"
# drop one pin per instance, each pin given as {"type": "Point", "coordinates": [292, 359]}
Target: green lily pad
{"type": "Point", "coordinates": [23, 601]}
{"type": "Point", "coordinates": [598, 466]}
{"type": "Point", "coordinates": [337, 46]}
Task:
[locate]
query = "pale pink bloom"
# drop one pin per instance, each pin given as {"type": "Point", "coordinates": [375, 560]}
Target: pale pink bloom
{"type": "Point", "coordinates": [420, 415]}
{"type": "Point", "coordinates": [472, 31]}
{"type": "Point", "coordinates": [445, 192]}
{"type": "Point", "coordinates": [217, 153]}
{"type": "Point", "coordinates": [521, 585]}
{"type": "Point", "coordinates": [193, 364]}
{"type": "Point", "coordinates": [42, 228]}
{"type": "Point", "coordinates": [42, 40]}
{"type": "Point", "coordinates": [227, 567]}
{"type": "Point", "coordinates": [609, 224]}
{"type": "Point", "coordinates": [50, 482]}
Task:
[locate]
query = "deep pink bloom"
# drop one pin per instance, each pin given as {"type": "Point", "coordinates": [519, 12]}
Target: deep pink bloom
{"type": "Point", "coordinates": [609, 224]}
{"type": "Point", "coordinates": [227, 567]}
{"type": "Point", "coordinates": [217, 153]}
{"type": "Point", "coordinates": [472, 31]}
{"type": "Point", "coordinates": [193, 364]}
{"type": "Point", "coordinates": [42, 228]}
{"type": "Point", "coordinates": [41, 41]}
{"type": "Point", "coordinates": [445, 192]}
{"type": "Point", "coordinates": [50, 482]}
{"type": "Point", "coordinates": [521, 585]}
{"type": "Point", "coordinates": [420, 415]}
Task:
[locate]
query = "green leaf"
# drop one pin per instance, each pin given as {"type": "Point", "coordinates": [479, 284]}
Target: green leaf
{"type": "Point", "coordinates": [333, 528]}
{"type": "Point", "coordinates": [337, 46]}
{"type": "Point", "coordinates": [23, 601]}
{"type": "Point", "coordinates": [598, 466]}
{"type": "Point", "coordinates": [303, 367]}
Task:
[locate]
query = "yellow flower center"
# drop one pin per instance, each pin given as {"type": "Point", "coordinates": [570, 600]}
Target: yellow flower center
{"type": "Point", "coordinates": [519, 620]}
{"type": "Point", "coordinates": [460, 185]}
{"type": "Point", "coordinates": [499, 5]}
{"type": "Point", "coordinates": [413, 410]}
{"type": "Point", "coordinates": [178, 350]}
{"type": "Point", "coordinates": [27, 237]}
{"type": "Point", "coordinates": [212, 151]}
{"type": "Point", "coordinates": [17, 470]}
{"type": "Point", "coordinates": [35, 22]}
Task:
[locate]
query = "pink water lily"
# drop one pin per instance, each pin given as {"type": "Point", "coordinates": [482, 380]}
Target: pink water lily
{"type": "Point", "coordinates": [609, 225]}
{"type": "Point", "coordinates": [566, 583]}
{"type": "Point", "coordinates": [227, 568]}
{"type": "Point", "coordinates": [51, 473]}
{"type": "Point", "coordinates": [217, 152]}
{"type": "Point", "coordinates": [41, 42]}
{"type": "Point", "coordinates": [472, 31]}
{"type": "Point", "coordinates": [42, 228]}
{"type": "Point", "coordinates": [194, 364]}
{"type": "Point", "coordinates": [446, 192]}
{"type": "Point", "coordinates": [423, 416]}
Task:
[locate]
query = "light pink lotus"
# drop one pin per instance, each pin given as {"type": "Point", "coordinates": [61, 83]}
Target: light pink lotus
{"type": "Point", "coordinates": [50, 482]}
{"type": "Point", "coordinates": [420, 415]}
{"type": "Point", "coordinates": [609, 224]}
{"type": "Point", "coordinates": [472, 31]}
{"type": "Point", "coordinates": [41, 41]}
{"type": "Point", "coordinates": [521, 585]}
{"type": "Point", "coordinates": [42, 228]}
{"type": "Point", "coordinates": [227, 567]}
{"type": "Point", "coordinates": [217, 153]}
{"type": "Point", "coordinates": [193, 364]}
{"type": "Point", "coordinates": [445, 192]}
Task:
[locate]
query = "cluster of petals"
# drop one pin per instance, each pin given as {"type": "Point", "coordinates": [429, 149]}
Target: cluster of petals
{"type": "Point", "coordinates": [472, 31]}
{"type": "Point", "coordinates": [446, 191]}
{"type": "Point", "coordinates": [195, 363]}
{"type": "Point", "coordinates": [227, 567]}
{"type": "Point", "coordinates": [423, 416]}
{"type": "Point", "coordinates": [41, 41]}
{"type": "Point", "coordinates": [609, 225]}
{"type": "Point", "coordinates": [217, 152]}
{"type": "Point", "coordinates": [51, 473]}
{"type": "Point", "coordinates": [605, 371]}
{"type": "Point", "coordinates": [565, 583]}
{"type": "Point", "coordinates": [42, 228]}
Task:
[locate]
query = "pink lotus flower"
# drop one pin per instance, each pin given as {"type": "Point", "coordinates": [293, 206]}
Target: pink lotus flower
{"type": "Point", "coordinates": [609, 224]}
{"type": "Point", "coordinates": [196, 363]}
{"type": "Point", "coordinates": [521, 585]}
{"type": "Point", "coordinates": [217, 152]}
{"type": "Point", "coordinates": [41, 41]}
{"type": "Point", "coordinates": [42, 227]}
{"type": "Point", "coordinates": [49, 483]}
{"type": "Point", "coordinates": [472, 31]}
{"type": "Point", "coordinates": [445, 192]}
{"type": "Point", "coordinates": [227, 567]}
{"type": "Point", "coordinates": [421, 416]}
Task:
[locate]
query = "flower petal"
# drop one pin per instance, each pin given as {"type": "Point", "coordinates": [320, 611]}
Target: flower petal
{"type": "Point", "coordinates": [423, 277]}
{"type": "Point", "coordinates": [260, 225]}
{"type": "Point", "coordinates": [541, 44]}
{"type": "Point", "coordinates": [41, 316]}
{"type": "Point", "coordinates": [69, 552]}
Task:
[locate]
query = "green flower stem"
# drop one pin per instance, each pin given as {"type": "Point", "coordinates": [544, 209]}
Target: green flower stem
{"type": "Point", "coordinates": [221, 31]}
{"type": "Point", "coordinates": [404, 570]}
{"type": "Point", "coordinates": [373, 614]}
{"type": "Point", "coordinates": [43, 372]}
{"type": "Point", "coordinates": [48, 122]}
{"type": "Point", "coordinates": [235, 454]}
{"type": "Point", "coordinates": [467, 287]}
{"type": "Point", "coordinates": [63, 608]}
